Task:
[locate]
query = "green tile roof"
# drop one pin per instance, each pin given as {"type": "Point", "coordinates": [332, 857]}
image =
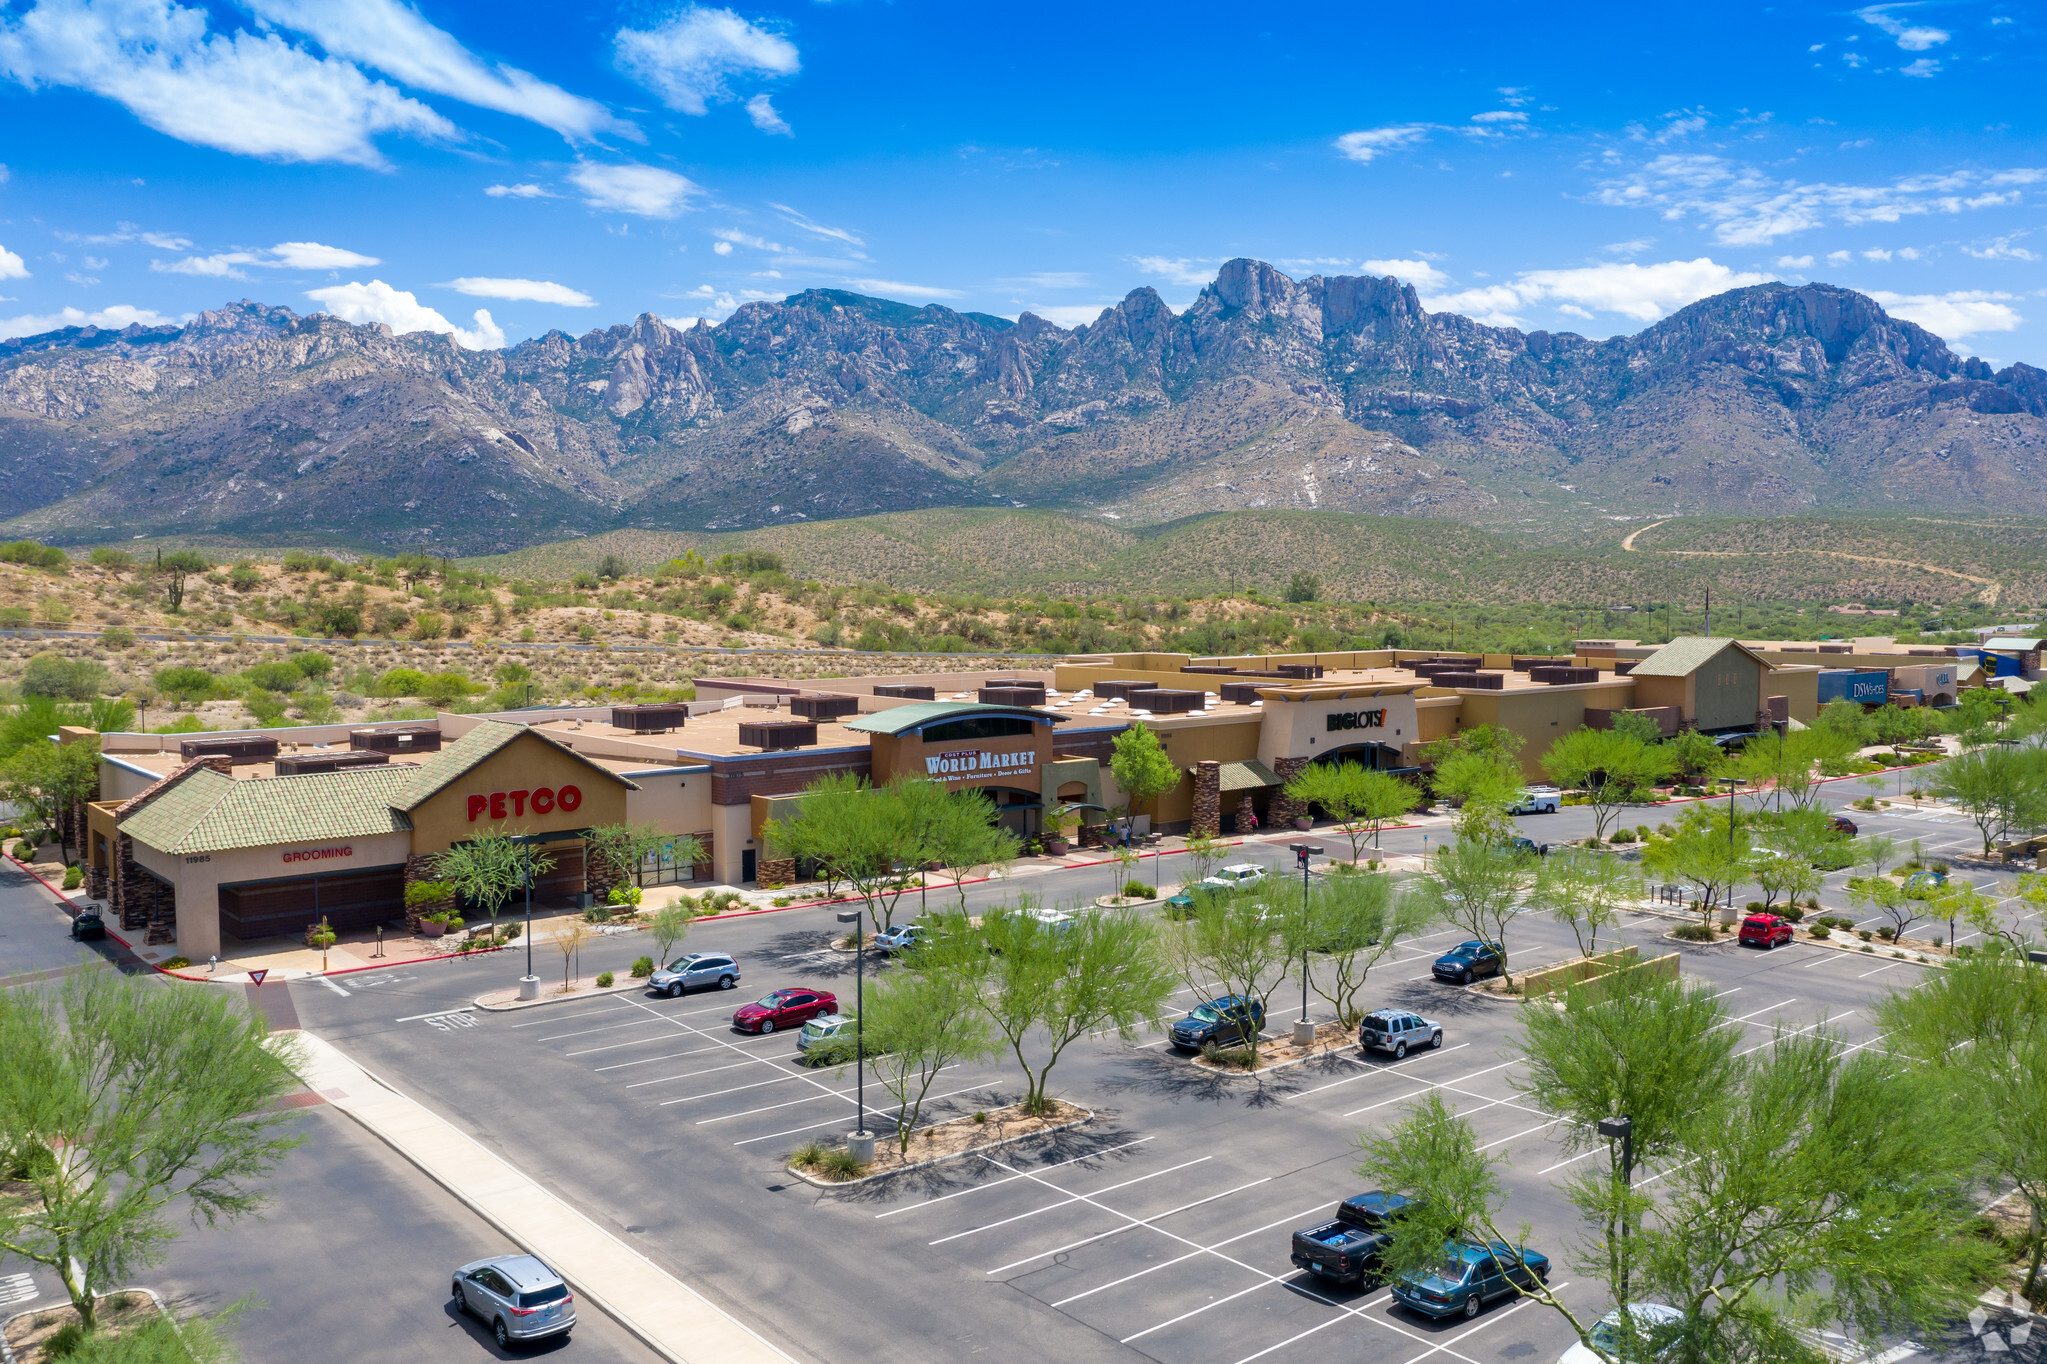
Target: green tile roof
{"type": "Point", "coordinates": [207, 812]}
{"type": "Point", "coordinates": [898, 719]}
{"type": "Point", "coordinates": [1684, 656]}
{"type": "Point", "coordinates": [1250, 775]}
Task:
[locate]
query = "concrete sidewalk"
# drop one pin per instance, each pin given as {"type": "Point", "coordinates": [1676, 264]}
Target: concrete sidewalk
{"type": "Point", "coordinates": [654, 1305]}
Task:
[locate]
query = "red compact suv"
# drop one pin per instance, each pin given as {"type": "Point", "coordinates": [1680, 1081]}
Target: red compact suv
{"type": "Point", "coordinates": [1765, 930]}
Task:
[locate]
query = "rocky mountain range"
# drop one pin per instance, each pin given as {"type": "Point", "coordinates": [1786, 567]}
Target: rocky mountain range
{"type": "Point", "coordinates": [1268, 392]}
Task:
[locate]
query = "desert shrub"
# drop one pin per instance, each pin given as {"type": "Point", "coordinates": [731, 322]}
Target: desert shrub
{"type": "Point", "coordinates": [400, 682]}
{"type": "Point", "coordinates": [1820, 930]}
{"type": "Point", "coordinates": [1138, 890]}
{"type": "Point", "coordinates": [839, 1163]}
{"type": "Point", "coordinates": [74, 876]}
{"type": "Point", "coordinates": [32, 554]}
{"type": "Point", "coordinates": [642, 967]}
{"type": "Point", "coordinates": [604, 979]}
{"type": "Point", "coordinates": [66, 679]}
{"type": "Point", "coordinates": [1692, 933]}
{"type": "Point", "coordinates": [311, 664]}
{"type": "Point", "coordinates": [1242, 1058]}
{"type": "Point", "coordinates": [107, 557]}
{"type": "Point", "coordinates": [117, 637]}
{"type": "Point", "coordinates": [1864, 934]}
{"type": "Point", "coordinates": [274, 676]}
{"type": "Point", "coordinates": [1791, 913]}
{"type": "Point", "coordinates": [1623, 835]}
{"type": "Point", "coordinates": [182, 682]}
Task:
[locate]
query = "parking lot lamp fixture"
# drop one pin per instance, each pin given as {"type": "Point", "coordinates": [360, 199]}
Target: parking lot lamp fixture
{"type": "Point", "coordinates": [861, 1142]}
{"type": "Point", "coordinates": [1623, 1130]}
{"type": "Point", "coordinates": [529, 984]}
{"type": "Point", "coordinates": [1303, 851]}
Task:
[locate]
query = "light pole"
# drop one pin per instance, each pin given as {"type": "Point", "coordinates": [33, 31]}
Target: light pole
{"type": "Point", "coordinates": [859, 1141]}
{"type": "Point", "coordinates": [529, 984]}
{"type": "Point", "coordinates": [1624, 1129]}
{"type": "Point", "coordinates": [1304, 1031]}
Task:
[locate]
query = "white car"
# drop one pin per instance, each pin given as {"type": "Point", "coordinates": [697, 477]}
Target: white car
{"type": "Point", "coordinates": [1052, 919]}
{"type": "Point", "coordinates": [1236, 875]}
{"type": "Point", "coordinates": [1653, 1320]}
{"type": "Point", "coordinates": [1538, 800]}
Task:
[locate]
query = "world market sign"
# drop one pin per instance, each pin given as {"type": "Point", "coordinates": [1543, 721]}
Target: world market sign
{"type": "Point", "coordinates": [1358, 719]}
{"type": "Point", "coordinates": [971, 762]}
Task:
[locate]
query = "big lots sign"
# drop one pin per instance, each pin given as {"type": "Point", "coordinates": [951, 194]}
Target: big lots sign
{"type": "Point", "coordinates": [541, 800]}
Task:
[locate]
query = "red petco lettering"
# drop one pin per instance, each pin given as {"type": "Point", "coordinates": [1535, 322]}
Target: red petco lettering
{"type": "Point", "coordinates": [513, 804]}
{"type": "Point", "coordinates": [319, 854]}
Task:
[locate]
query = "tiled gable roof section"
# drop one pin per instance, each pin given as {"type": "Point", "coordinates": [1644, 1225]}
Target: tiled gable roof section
{"type": "Point", "coordinates": [211, 813]}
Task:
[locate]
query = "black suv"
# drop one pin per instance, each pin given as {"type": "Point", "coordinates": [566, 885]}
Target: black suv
{"type": "Point", "coordinates": [88, 926]}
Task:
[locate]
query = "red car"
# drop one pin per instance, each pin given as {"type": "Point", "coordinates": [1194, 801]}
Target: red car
{"type": "Point", "coordinates": [1765, 930]}
{"type": "Point", "coordinates": [784, 1008]}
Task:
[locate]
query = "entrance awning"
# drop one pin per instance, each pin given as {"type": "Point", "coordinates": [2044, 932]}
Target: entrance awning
{"type": "Point", "coordinates": [1244, 776]}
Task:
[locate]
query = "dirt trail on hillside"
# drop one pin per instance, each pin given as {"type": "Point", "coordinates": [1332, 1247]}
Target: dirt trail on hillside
{"type": "Point", "coordinates": [1992, 589]}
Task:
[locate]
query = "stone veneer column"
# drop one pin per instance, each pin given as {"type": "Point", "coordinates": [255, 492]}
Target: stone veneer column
{"type": "Point", "coordinates": [774, 871]}
{"type": "Point", "coordinates": [1208, 798]}
{"type": "Point", "coordinates": [424, 867]}
{"type": "Point", "coordinates": [1242, 821]}
{"type": "Point", "coordinates": [1284, 809]}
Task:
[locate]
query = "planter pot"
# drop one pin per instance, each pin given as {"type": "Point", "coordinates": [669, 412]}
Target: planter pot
{"type": "Point", "coordinates": [432, 929]}
{"type": "Point", "coordinates": [1304, 824]}
{"type": "Point", "coordinates": [1057, 847]}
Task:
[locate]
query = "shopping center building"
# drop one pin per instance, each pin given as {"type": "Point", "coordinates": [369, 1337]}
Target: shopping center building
{"type": "Point", "coordinates": [202, 840]}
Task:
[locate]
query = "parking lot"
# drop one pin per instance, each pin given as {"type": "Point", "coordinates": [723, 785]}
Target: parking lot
{"type": "Point", "coordinates": [1159, 1230]}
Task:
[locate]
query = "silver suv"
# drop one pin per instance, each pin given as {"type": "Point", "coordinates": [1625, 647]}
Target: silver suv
{"type": "Point", "coordinates": [694, 971]}
{"type": "Point", "coordinates": [517, 1296]}
{"type": "Point", "coordinates": [1398, 1031]}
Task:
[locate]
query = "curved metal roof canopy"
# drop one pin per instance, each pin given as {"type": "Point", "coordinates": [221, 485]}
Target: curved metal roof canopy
{"type": "Point", "coordinates": [920, 715]}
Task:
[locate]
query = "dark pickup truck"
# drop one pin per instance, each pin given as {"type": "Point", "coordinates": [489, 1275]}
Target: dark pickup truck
{"type": "Point", "coordinates": [1347, 1248]}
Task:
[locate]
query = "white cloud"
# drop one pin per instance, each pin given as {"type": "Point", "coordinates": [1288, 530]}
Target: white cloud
{"type": "Point", "coordinates": [517, 192]}
{"type": "Point", "coordinates": [1190, 272]}
{"type": "Point", "coordinates": [283, 256]}
{"type": "Point", "coordinates": [723, 248]}
{"type": "Point", "coordinates": [688, 60]}
{"type": "Point", "coordinates": [81, 279]}
{"type": "Point", "coordinates": [1999, 249]}
{"type": "Point", "coordinates": [1746, 206]}
{"type": "Point", "coordinates": [646, 190]}
{"type": "Point", "coordinates": [761, 109]}
{"type": "Point", "coordinates": [734, 237]}
{"type": "Point", "coordinates": [1629, 248]}
{"type": "Point", "coordinates": [393, 38]}
{"type": "Point", "coordinates": [1416, 272]}
{"type": "Point", "coordinates": [402, 312]}
{"type": "Point", "coordinates": [314, 256]}
{"type": "Point", "coordinates": [1876, 253]}
{"type": "Point", "coordinates": [522, 290]}
{"type": "Point", "coordinates": [250, 94]}
{"type": "Point", "coordinates": [1794, 262]}
{"type": "Point", "coordinates": [1964, 312]}
{"type": "Point", "coordinates": [1924, 68]}
{"type": "Point", "coordinates": [796, 219]}
{"type": "Point", "coordinates": [119, 316]}
{"type": "Point", "coordinates": [1642, 293]}
{"type": "Point", "coordinates": [890, 286]}
{"type": "Point", "coordinates": [1500, 116]}
{"type": "Point", "coordinates": [1369, 143]}
{"type": "Point", "coordinates": [1911, 37]}
{"type": "Point", "coordinates": [1839, 257]}
{"type": "Point", "coordinates": [11, 265]}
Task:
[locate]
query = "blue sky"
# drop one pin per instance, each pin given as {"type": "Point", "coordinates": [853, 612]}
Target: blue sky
{"type": "Point", "coordinates": [497, 171]}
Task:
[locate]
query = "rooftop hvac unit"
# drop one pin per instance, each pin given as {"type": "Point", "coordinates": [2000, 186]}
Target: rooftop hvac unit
{"type": "Point", "coordinates": [1159, 701]}
{"type": "Point", "coordinates": [1557, 675]}
{"type": "Point", "coordinates": [1011, 696]}
{"type": "Point", "coordinates": [1211, 670]}
{"type": "Point", "coordinates": [825, 706]}
{"type": "Point", "coordinates": [652, 717]}
{"type": "Point", "coordinates": [905, 691]}
{"type": "Point", "coordinates": [1109, 691]}
{"type": "Point", "coordinates": [397, 739]}
{"type": "Point", "coordinates": [307, 764]}
{"type": "Point", "coordinates": [1470, 681]}
{"type": "Point", "coordinates": [774, 734]}
{"type": "Point", "coordinates": [1242, 693]}
{"type": "Point", "coordinates": [1016, 683]}
{"type": "Point", "coordinates": [245, 749]}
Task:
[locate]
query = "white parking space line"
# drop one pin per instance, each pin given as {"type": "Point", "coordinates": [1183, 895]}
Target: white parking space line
{"type": "Point", "coordinates": [1746, 1017]}
{"type": "Point", "coordinates": [735, 1089]}
{"type": "Point", "coordinates": [808, 1098]}
{"type": "Point", "coordinates": [1007, 1179]}
{"type": "Point", "coordinates": [1518, 1135]}
{"type": "Point", "coordinates": [570, 1018]}
{"type": "Point", "coordinates": [873, 1115]}
{"type": "Point", "coordinates": [607, 1027]}
{"type": "Point", "coordinates": [332, 986]}
{"type": "Point", "coordinates": [1881, 969]}
{"type": "Point", "coordinates": [1358, 1311]}
{"type": "Point", "coordinates": [1068, 1201]}
{"type": "Point", "coordinates": [617, 1046]}
{"type": "Point", "coordinates": [1830, 958]}
{"type": "Point", "coordinates": [1389, 1068]}
{"type": "Point", "coordinates": [650, 1060]}
{"type": "Point", "coordinates": [1427, 1085]}
{"type": "Point", "coordinates": [1130, 1225]}
{"type": "Point", "coordinates": [437, 1013]}
{"type": "Point", "coordinates": [1816, 1023]}
{"type": "Point", "coordinates": [1445, 1346]}
{"type": "Point", "coordinates": [1177, 1259]}
{"type": "Point", "coordinates": [1572, 1161]}
{"type": "Point", "coordinates": [1175, 1321]}
{"type": "Point", "coordinates": [687, 1075]}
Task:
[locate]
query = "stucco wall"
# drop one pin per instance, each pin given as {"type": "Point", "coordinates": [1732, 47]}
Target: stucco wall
{"type": "Point", "coordinates": [199, 877]}
{"type": "Point", "coordinates": [1540, 715]}
{"type": "Point", "coordinates": [526, 764]}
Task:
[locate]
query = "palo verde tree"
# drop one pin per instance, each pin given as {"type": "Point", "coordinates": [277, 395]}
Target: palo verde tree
{"type": "Point", "coordinates": [1046, 987]}
{"type": "Point", "coordinates": [1232, 941]}
{"type": "Point", "coordinates": [866, 836]}
{"type": "Point", "coordinates": [1477, 770]}
{"type": "Point", "coordinates": [1142, 768]}
{"type": "Point", "coordinates": [1358, 799]}
{"type": "Point", "coordinates": [956, 829]}
{"type": "Point", "coordinates": [2001, 788]}
{"type": "Point", "coordinates": [48, 779]}
{"type": "Point", "coordinates": [919, 1020]}
{"type": "Point", "coordinates": [1979, 1027]}
{"type": "Point", "coordinates": [488, 868]}
{"type": "Point", "coordinates": [1701, 851]}
{"type": "Point", "coordinates": [1586, 890]}
{"type": "Point", "coordinates": [120, 1100]}
{"type": "Point", "coordinates": [1476, 888]}
{"type": "Point", "coordinates": [1611, 766]}
{"type": "Point", "coordinates": [1353, 922]}
{"type": "Point", "coordinates": [620, 850]}
{"type": "Point", "coordinates": [1816, 1184]}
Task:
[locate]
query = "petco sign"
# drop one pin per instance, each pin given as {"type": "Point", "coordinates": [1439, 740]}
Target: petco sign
{"type": "Point", "coordinates": [514, 804]}
{"type": "Point", "coordinates": [972, 762]}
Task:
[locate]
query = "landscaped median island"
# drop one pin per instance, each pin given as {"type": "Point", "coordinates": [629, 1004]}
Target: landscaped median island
{"type": "Point", "coordinates": [1276, 1051]}
{"type": "Point", "coordinates": [980, 1131]}
{"type": "Point", "coordinates": [54, 1333]}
